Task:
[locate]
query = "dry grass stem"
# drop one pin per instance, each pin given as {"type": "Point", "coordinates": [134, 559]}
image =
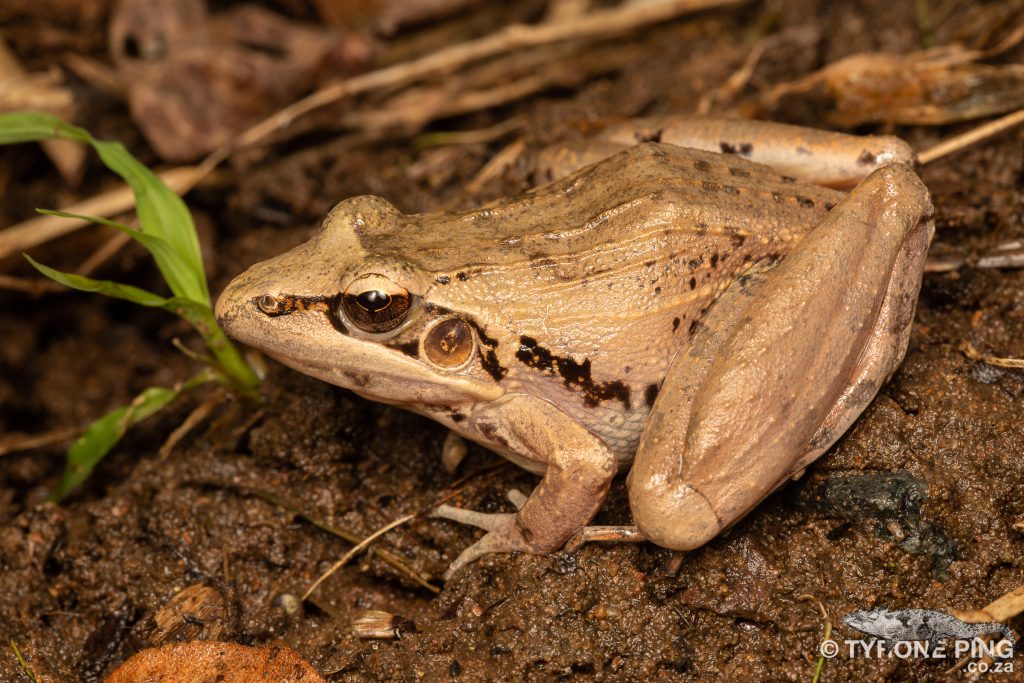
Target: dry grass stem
{"type": "Point", "coordinates": [974, 354]}
{"type": "Point", "coordinates": [358, 548]}
{"type": "Point", "coordinates": [14, 443]}
{"type": "Point", "coordinates": [597, 25]}
{"type": "Point", "coordinates": [200, 413]}
{"type": "Point", "coordinates": [971, 137]}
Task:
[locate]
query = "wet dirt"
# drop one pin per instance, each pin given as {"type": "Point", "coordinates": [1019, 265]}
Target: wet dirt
{"type": "Point", "coordinates": [914, 507]}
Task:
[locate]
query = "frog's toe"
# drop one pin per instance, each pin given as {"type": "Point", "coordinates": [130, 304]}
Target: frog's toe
{"type": "Point", "coordinates": [503, 535]}
{"type": "Point", "coordinates": [483, 520]}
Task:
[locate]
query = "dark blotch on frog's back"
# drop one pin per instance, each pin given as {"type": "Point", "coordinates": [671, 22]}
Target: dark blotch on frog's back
{"type": "Point", "coordinates": [741, 148]}
{"type": "Point", "coordinates": [651, 394]}
{"type": "Point", "coordinates": [575, 375]}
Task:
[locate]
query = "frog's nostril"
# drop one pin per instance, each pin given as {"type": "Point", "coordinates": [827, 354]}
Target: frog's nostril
{"type": "Point", "coordinates": [269, 304]}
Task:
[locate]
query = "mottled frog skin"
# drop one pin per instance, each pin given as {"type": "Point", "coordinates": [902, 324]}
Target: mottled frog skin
{"type": "Point", "coordinates": [712, 318]}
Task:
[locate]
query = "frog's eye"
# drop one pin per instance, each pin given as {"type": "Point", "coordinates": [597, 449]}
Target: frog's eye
{"type": "Point", "coordinates": [373, 303]}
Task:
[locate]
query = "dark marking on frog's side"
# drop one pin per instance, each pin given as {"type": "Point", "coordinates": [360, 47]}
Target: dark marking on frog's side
{"type": "Point", "coordinates": [462, 276]}
{"type": "Point", "coordinates": [293, 303]}
{"type": "Point", "coordinates": [696, 263]}
{"type": "Point", "coordinates": [829, 206]}
{"type": "Point", "coordinates": [359, 379]}
{"type": "Point", "coordinates": [806, 202]}
{"type": "Point", "coordinates": [777, 196]}
{"type": "Point", "coordinates": [739, 172]}
{"type": "Point", "coordinates": [731, 189]}
{"type": "Point", "coordinates": [488, 356]}
{"type": "Point", "coordinates": [650, 394]}
{"type": "Point", "coordinates": [649, 136]}
{"type": "Point", "coordinates": [693, 327]}
{"type": "Point", "coordinates": [456, 415]}
{"type": "Point", "coordinates": [714, 261]}
{"type": "Point", "coordinates": [738, 240]}
{"type": "Point", "coordinates": [676, 321]}
{"type": "Point", "coordinates": [702, 166]}
{"type": "Point", "coordinates": [409, 348]}
{"type": "Point", "coordinates": [710, 186]}
{"type": "Point", "coordinates": [693, 283]}
{"type": "Point", "coordinates": [867, 158]}
{"type": "Point", "coordinates": [575, 375]}
{"type": "Point", "coordinates": [787, 179]}
{"type": "Point", "coordinates": [657, 290]}
{"type": "Point", "coordinates": [702, 228]}
{"type": "Point", "coordinates": [442, 279]}
{"type": "Point", "coordinates": [743, 149]}
{"type": "Point", "coordinates": [491, 432]}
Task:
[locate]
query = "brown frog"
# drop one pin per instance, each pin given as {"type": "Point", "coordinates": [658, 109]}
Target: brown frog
{"type": "Point", "coordinates": [708, 321]}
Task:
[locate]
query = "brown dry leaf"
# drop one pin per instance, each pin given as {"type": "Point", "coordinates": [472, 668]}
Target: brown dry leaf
{"type": "Point", "coordinates": [1001, 610]}
{"type": "Point", "coordinates": [194, 82]}
{"type": "Point", "coordinates": [203, 660]}
{"type": "Point", "coordinates": [930, 87]}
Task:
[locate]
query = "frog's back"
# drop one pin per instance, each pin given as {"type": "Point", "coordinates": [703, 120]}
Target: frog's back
{"type": "Point", "coordinates": [596, 279]}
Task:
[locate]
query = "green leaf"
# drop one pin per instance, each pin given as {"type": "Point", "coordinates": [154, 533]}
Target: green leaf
{"type": "Point", "coordinates": [174, 266]}
{"type": "Point", "coordinates": [103, 434]}
{"type": "Point", "coordinates": [114, 289]}
{"type": "Point", "coordinates": [162, 213]}
{"type": "Point", "coordinates": [199, 315]}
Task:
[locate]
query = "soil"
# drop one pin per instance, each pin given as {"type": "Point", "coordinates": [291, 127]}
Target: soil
{"type": "Point", "coordinates": [915, 506]}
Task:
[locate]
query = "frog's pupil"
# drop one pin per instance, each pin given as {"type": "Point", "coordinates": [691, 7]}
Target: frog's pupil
{"type": "Point", "coordinates": [374, 300]}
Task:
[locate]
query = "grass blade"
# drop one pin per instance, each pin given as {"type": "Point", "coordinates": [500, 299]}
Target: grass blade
{"type": "Point", "coordinates": [103, 434]}
{"type": "Point", "coordinates": [113, 289]}
{"type": "Point", "coordinates": [161, 212]}
{"type": "Point", "coordinates": [230, 362]}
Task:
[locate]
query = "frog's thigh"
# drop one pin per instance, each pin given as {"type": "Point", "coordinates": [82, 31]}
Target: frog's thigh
{"type": "Point", "coordinates": [580, 466]}
{"type": "Point", "coordinates": [778, 361]}
{"type": "Point", "coordinates": [817, 156]}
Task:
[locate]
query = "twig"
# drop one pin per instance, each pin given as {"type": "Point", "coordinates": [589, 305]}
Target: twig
{"type": "Point", "coordinates": [597, 25]}
{"type": "Point", "coordinates": [28, 234]}
{"type": "Point", "coordinates": [358, 548]}
{"type": "Point", "coordinates": [13, 443]}
{"type": "Point", "coordinates": [386, 556]}
{"type": "Point", "coordinates": [106, 251]}
{"type": "Point", "coordinates": [971, 137]}
{"type": "Point", "coordinates": [498, 164]}
{"type": "Point", "coordinates": [470, 137]}
{"type": "Point", "coordinates": [1008, 255]}
{"type": "Point", "coordinates": [33, 286]}
{"type": "Point", "coordinates": [828, 632]}
{"type": "Point", "coordinates": [66, 156]}
{"type": "Point", "coordinates": [200, 413]}
{"type": "Point", "coordinates": [974, 354]}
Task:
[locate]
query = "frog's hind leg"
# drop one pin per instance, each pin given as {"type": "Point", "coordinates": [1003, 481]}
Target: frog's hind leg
{"type": "Point", "coordinates": [818, 156]}
{"type": "Point", "coordinates": [782, 363]}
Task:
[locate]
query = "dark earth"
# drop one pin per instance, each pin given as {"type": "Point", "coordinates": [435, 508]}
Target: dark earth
{"type": "Point", "coordinates": [914, 507]}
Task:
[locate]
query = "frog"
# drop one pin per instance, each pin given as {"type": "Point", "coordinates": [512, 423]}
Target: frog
{"type": "Point", "coordinates": [707, 304]}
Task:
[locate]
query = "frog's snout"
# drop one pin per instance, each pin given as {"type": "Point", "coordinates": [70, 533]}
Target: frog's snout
{"type": "Point", "coordinates": [229, 306]}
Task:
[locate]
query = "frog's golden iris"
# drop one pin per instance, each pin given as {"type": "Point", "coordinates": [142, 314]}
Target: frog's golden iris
{"type": "Point", "coordinates": [374, 303]}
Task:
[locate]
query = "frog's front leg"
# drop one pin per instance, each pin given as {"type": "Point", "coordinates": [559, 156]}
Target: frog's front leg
{"type": "Point", "coordinates": [782, 364]}
{"type": "Point", "coordinates": [580, 468]}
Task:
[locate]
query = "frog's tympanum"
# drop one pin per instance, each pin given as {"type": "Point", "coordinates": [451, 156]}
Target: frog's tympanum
{"type": "Point", "coordinates": [681, 309]}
